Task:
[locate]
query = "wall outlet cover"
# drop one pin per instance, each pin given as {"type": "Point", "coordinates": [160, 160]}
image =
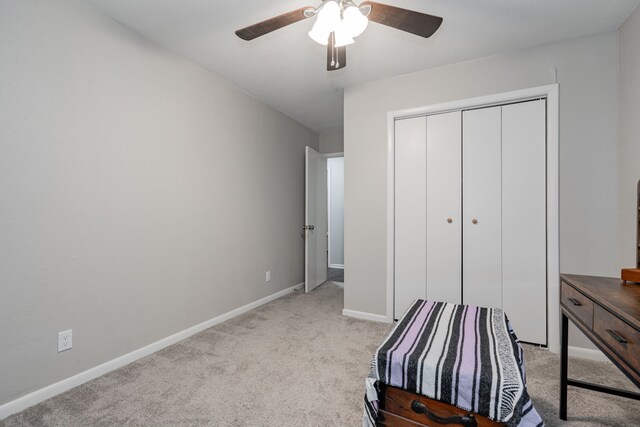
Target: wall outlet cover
{"type": "Point", "coordinates": [268, 276]}
{"type": "Point", "coordinates": [65, 341]}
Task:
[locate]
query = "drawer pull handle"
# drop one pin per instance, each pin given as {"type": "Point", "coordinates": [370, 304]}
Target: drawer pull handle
{"type": "Point", "coordinates": [463, 420]}
{"type": "Point", "coordinates": [617, 336]}
{"type": "Point", "coordinates": [574, 301]}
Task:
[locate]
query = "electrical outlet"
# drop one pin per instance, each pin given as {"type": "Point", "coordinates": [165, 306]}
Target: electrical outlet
{"type": "Point", "coordinates": [268, 276]}
{"type": "Point", "coordinates": [65, 340]}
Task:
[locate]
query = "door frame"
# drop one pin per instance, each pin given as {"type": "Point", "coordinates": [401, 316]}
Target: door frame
{"type": "Point", "coordinates": [551, 94]}
{"type": "Point", "coordinates": [330, 156]}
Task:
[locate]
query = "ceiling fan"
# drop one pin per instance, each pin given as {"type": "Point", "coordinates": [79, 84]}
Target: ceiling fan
{"type": "Point", "coordinates": [338, 22]}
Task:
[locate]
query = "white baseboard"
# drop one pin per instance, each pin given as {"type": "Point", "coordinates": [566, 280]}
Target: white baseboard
{"type": "Point", "coordinates": [49, 391]}
{"type": "Point", "coordinates": [340, 266]}
{"type": "Point", "coordinates": [587, 353]}
{"type": "Point", "coordinates": [365, 316]}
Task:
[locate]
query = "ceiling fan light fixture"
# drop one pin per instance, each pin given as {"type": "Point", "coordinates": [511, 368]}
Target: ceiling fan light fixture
{"type": "Point", "coordinates": [354, 21]}
{"type": "Point", "coordinates": [339, 21]}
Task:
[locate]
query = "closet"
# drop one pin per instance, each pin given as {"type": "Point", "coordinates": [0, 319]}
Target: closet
{"type": "Point", "coordinates": [470, 212]}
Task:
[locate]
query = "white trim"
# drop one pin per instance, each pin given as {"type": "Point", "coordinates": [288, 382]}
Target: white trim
{"type": "Point", "coordinates": [478, 102]}
{"type": "Point", "coordinates": [328, 215]}
{"type": "Point", "coordinates": [365, 316]}
{"type": "Point", "coordinates": [329, 234]}
{"type": "Point", "coordinates": [553, 218]}
{"type": "Point", "coordinates": [551, 93]}
{"type": "Point", "coordinates": [391, 212]}
{"type": "Point", "coordinates": [339, 154]}
{"type": "Point", "coordinates": [587, 353]}
{"type": "Point", "coordinates": [49, 391]}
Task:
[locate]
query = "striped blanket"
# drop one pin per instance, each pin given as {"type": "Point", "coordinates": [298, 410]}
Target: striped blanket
{"type": "Point", "coordinates": [463, 355]}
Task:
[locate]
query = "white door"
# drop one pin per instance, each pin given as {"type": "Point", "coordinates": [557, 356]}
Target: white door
{"type": "Point", "coordinates": [315, 217]}
{"type": "Point", "coordinates": [524, 246]}
{"type": "Point", "coordinates": [444, 212]}
{"type": "Point", "coordinates": [481, 206]}
{"type": "Point", "coordinates": [410, 212]}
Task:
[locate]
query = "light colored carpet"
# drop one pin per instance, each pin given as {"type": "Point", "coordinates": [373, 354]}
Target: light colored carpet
{"type": "Point", "coordinates": [293, 362]}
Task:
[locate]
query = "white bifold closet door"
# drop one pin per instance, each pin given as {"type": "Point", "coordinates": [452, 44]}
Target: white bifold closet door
{"type": "Point", "coordinates": [481, 205]}
{"type": "Point", "coordinates": [444, 211]}
{"type": "Point", "coordinates": [524, 244]}
{"type": "Point", "coordinates": [470, 212]}
{"type": "Point", "coordinates": [410, 212]}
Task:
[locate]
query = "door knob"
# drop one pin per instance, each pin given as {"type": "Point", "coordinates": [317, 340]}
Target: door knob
{"type": "Point", "coordinates": [449, 220]}
{"type": "Point", "coordinates": [475, 221]}
{"type": "Point", "coordinates": [312, 227]}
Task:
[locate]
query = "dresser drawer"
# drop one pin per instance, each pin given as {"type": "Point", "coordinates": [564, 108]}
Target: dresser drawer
{"type": "Point", "coordinates": [623, 339]}
{"type": "Point", "coordinates": [579, 305]}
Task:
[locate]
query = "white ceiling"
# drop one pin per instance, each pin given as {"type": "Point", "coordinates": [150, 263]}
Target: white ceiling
{"type": "Point", "coordinates": [287, 70]}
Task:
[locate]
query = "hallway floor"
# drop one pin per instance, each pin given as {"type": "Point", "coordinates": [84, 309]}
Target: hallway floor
{"type": "Point", "coordinates": [335, 275]}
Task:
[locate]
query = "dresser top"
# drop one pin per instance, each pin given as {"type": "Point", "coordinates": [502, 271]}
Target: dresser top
{"type": "Point", "coordinates": [617, 296]}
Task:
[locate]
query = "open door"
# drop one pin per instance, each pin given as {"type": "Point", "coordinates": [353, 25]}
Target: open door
{"type": "Point", "coordinates": [315, 217]}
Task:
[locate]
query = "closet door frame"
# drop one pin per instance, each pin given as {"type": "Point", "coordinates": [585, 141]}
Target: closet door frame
{"type": "Point", "coordinates": [551, 94]}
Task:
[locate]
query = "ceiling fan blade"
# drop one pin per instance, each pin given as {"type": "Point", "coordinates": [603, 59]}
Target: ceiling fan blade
{"type": "Point", "coordinates": [336, 56]}
{"type": "Point", "coordinates": [417, 23]}
{"type": "Point", "coordinates": [264, 27]}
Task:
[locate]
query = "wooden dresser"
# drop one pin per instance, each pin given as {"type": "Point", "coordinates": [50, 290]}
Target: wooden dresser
{"type": "Point", "coordinates": [607, 310]}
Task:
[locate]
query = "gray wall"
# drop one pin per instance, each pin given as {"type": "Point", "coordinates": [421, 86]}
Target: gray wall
{"type": "Point", "coordinates": [332, 142]}
{"type": "Point", "coordinates": [140, 194]}
{"type": "Point", "coordinates": [336, 210]}
{"type": "Point", "coordinates": [587, 72]}
{"type": "Point", "coordinates": [629, 151]}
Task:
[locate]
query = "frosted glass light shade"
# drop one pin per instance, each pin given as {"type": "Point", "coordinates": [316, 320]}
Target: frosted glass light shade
{"type": "Point", "coordinates": [319, 34]}
{"type": "Point", "coordinates": [343, 38]}
{"type": "Point", "coordinates": [328, 20]}
{"type": "Point", "coordinates": [354, 21]}
{"type": "Point", "coordinates": [329, 16]}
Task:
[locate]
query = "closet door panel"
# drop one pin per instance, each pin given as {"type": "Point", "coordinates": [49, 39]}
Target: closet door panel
{"type": "Point", "coordinates": [410, 212]}
{"type": "Point", "coordinates": [524, 265]}
{"type": "Point", "coordinates": [444, 198]}
{"type": "Point", "coordinates": [481, 207]}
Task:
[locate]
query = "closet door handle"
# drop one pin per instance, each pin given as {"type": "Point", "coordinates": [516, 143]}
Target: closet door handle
{"type": "Point", "coordinates": [475, 221]}
{"type": "Point", "coordinates": [449, 220]}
